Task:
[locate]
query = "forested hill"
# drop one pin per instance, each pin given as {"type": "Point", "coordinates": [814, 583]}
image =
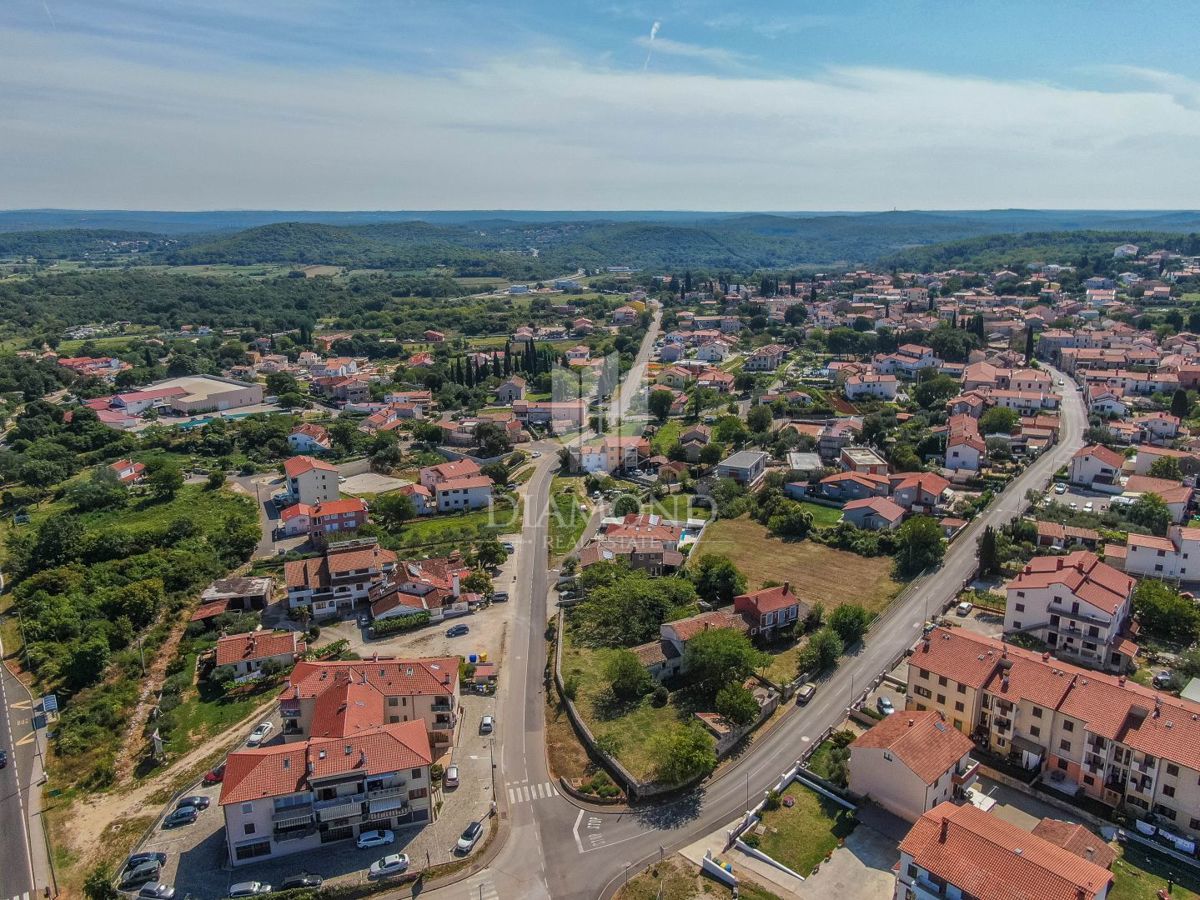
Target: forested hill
{"type": "Point", "coordinates": [1007, 250]}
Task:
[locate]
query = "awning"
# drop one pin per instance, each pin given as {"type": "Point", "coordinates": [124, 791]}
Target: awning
{"type": "Point", "coordinates": [388, 804]}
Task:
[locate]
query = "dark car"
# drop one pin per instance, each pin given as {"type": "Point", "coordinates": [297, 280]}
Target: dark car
{"type": "Point", "coordinates": [3, 758]}
{"type": "Point", "coordinates": [136, 859]}
{"type": "Point", "coordinates": [457, 630]}
{"type": "Point", "coordinates": [215, 775]}
{"type": "Point", "coordinates": [500, 597]}
{"type": "Point", "coordinates": [303, 880]}
{"type": "Point", "coordinates": [185, 815]}
{"type": "Point", "coordinates": [197, 802]}
{"type": "Point", "coordinates": [137, 875]}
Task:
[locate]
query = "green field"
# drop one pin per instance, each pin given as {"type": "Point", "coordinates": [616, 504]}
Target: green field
{"type": "Point", "coordinates": [816, 572]}
{"type": "Point", "coordinates": [567, 520]}
{"type": "Point", "coordinates": [666, 436]}
{"type": "Point", "coordinates": [802, 836]}
{"type": "Point", "coordinates": [676, 507]}
{"type": "Point", "coordinates": [502, 517]}
{"type": "Point", "coordinates": [1140, 874]}
{"type": "Point", "coordinates": [823, 516]}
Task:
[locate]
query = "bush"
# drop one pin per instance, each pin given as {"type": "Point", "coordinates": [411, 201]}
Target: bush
{"type": "Point", "coordinates": [399, 624]}
{"type": "Point", "coordinates": [773, 801]}
{"type": "Point", "coordinates": [659, 698]}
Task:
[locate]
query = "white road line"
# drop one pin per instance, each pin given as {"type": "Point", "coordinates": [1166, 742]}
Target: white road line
{"type": "Point", "coordinates": [525, 793]}
{"type": "Point", "coordinates": [511, 799]}
{"type": "Point", "coordinates": [575, 831]}
{"type": "Point", "coordinates": [540, 789]}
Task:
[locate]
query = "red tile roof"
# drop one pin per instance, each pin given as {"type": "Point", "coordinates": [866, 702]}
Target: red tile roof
{"type": "Point", "coordinates": [770, 599]}
{"type": "Point", "coordinates": [1077, 839]}
{"type": "Point", "coordinates": [1102, 453]}
{"type": "Point", "coordinates": [881, 506]}
{"type": "Point", "coordinates": [991, 859]}
{"type": "Point", "coordinates": [236, 648]}
{"type": "Point", "coordinates": [923, 741]}
{"type": "Point", "coordinates": [1080, 572]}
{"type": "Point", "coordinates": [298, 465]}
{"type": "Point", "coordinates": [433, 676]}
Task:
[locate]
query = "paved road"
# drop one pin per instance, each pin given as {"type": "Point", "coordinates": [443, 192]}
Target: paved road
{"type": "Point", "coordinates": [16, 873]}
{"type": "Point", "coordinates": [633, 385]}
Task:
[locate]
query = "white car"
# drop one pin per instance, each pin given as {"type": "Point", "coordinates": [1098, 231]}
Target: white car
{"type": "Point", "coordinates": [259, 734]}
{"type": "Point", "coordinates": [450, 779]}
{"type": "Point", "coordinates": [249, 889]}
{"type": "Point", "coordinates": [392, 864]}
{"type": "Point", "coordinates": [1088, 506]}
{"type": "Point", "coordinates": [376, 839]}
{"type": "Point", "coordinates": [962, 609]}
{"type": "Point", "coordinates": [536, 454]}
{"type": "Point", "coordinates": [486, 724]}
{"type": "Point", "coordinates": [1060, 488]}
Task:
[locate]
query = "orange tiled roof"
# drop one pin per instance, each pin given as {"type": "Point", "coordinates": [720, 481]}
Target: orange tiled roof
{"type": "Point", "coordinates": [235, 648]}
{"type": "Point", "coordinates": [923, 741]}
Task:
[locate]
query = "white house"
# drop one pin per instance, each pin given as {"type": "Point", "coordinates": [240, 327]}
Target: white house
{"type": "Point", "coordinates": [871, 385]}
{"type": "Point", "coordinates": [1095, 464]}
{"type": "Point", "coordinates": [1175, 556]}
{"type": "Point", "coordinates": [469, 492]}
{"type": "Point", "coordinates": [765, 359]}
{"type": "Point", "coordinates": [310, 480]}
{"type": "Point", "coordinates": [309, 438]}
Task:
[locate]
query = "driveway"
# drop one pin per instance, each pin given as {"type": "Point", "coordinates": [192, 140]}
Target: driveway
{"type": "Point", "coordinates": [260, 488]}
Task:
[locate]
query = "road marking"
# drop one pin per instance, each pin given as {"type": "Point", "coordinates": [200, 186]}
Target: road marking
{"type": "Point", "coordinates": [483, 890]}
{"type": "Point", "coordinates": [511, 799]}
{"type": "Point", "coordinates": [525, 793]}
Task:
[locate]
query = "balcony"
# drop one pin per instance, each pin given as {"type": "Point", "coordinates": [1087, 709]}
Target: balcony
{"type": "Point", "coordinates": [1002, 725]}
{"type": "Point", "coordinates": [292, 815]}
{"type": "Point", "coordinates": [340, 808]}
{"type": "Point", "coordinates": [395, 790]}
{"type": "Point", "coordinates": [968, 775]}
{"type": "Point", "coordinates": [442, 706]}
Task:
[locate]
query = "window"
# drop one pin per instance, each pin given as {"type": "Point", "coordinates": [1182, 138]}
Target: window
{"type": "Point", "coordinates": [962, 689]}
{"type": "Point", "coordinates": [1016, 624]}
{"type": "Point", "coordinates": [1037, 712]}
{"type": "Point", "coordinates": [1068, 725]}
{"type": "Point", "coordinates": [1034, 731]}
{"type": "Point", "coordinates": [1020, 607]}
{"type": "Point", "coordinates": [247, 808]}
{"type": "Point", "coordinates": [941, 698]}
{"type": "Point", "coordinates": [1062, 764]}
{"type": "Point", "coordinates": [958, 724]}
{"type": "Point", "coordinates": [416, 773]}
{"type": "Point", "coordinates": [924, 673]}
{"type": "Point", "coordinates": [393, 701]}
{"type": "Point", "coordinates": [912, 870]}
{"type": "Point", "coordinates": [1089, 780]}
{"type": "Point", "coordinates": [1172, 769]}
{"type": "Point", "coordinates": [942, 681]}
{"type": "Point", "coordinates": [1065, 745]}
{"type": "Point", "coordinates": [1020, 593]}
{"type": "Point", "coordinates": [1164, 811]}
{"type": "Point", "coordinates": [1168, 790]}
{"type": "Point", "coordinates": [249, 828]}
{"type": "Point", "coordinates": [958, 707]}
{"type": "Point", "coordinates": [1194, 824]}
{"type": "Point", "coordinates": [922, 691]}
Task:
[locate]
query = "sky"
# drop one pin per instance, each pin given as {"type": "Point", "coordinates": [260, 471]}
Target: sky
{"type": "Point", "coordinates": [624, 104]}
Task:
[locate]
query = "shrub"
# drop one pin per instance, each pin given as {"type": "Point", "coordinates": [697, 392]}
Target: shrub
{"type": "Point", "coordinates": [399, 624]}
{"type": "Point", "coordinates": [773, 801]}
{"type": "Point", "coordinates": [660, 696]}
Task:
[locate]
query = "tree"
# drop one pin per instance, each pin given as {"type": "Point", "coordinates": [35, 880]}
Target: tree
{"type": "Point", "coordinates": [478, 582]}
{"type": "Point", "coordinates": [850, 621]}
{"type": "Point", "coordinates": [998, 420]}
{"type": "Point", "coordinates": [1028, 344]}
{"type": "Point", "coordinates": [659, 404]}
{"type": "Point", "coordinates": [711, 453]}
{"type": "Point", "coordinates": [989, 558]}
{"type": "Point", "coordinates": [343, 434]}
{"type": "Point", "coordinates": [279, 383]}
{"type": "Point", "coordinates": [490, 553]}
{"type": "Point", "coordinates": [1166, 467]}
{"type": "Point", "coordinates": [627, 676]}
{"type": "Point", "coordinates": [624, 608]}
{"type": "Point", "coordinates": [790, 520]}
{"type": "Point", "coordinates": [85, 662]}
{"type": "Point", "coordinates": [392, 510]}
{"type": "Point", "coordinates": [933, 392]}
{"type": "Point", "coordinates": [1164, 612]}
{"type": "Point", "coordinates": [736, 704]}
{"type": "Point", "coordinates": [216, 480]}
{"type": "Point", "coordinates": [491, 439]}
{"type": "Point", "coordinates": [99, 885]}
{"type": "Point", "coordinates": [820, 653]}
{"type": "Point", "coordinates": [685, 753]}
{"type": "Point", "coordinates": [627, 504]}
{"type": "Point", "coordinates": [919, 546]}
{"type": "Point", "coordinates": [760, 418]}
{"type": "Point", "coordinates": [795, 314]}
{"type": "Point", "coordinates": [103, 490]}
{"type": "Point", "coordinates": [719, 656]}
{"type": "Point", "coordinates": [717, 578]}
{"type": "Point", "coordinates": [1151, 512]}
{"type": "Point", "coordinates": [165, 481]}
{"type": "Point", "coordinates": [1180, 406]}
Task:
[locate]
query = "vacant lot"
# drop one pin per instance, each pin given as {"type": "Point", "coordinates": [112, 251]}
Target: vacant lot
{"type": "Point", "coordinates": [816, 572]}
{"type": "Point", "coordinates": [802, 836]}
{"type": "Point", "coordinates": [823, 516]}
{"type": "Point", "coordinates": [567, 518]}
{"type": "Point", "coordinates": [666, 436]}
{"type": "Point", "coordinates": [1139, 875]}
{"type": "Point", "coordinates": [678, 879]}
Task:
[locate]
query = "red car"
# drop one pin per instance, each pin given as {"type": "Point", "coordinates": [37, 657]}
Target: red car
{"type": "Point", "coordinates": [215, 776]}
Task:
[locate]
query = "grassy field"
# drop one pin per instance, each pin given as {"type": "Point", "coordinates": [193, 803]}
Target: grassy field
{"type": "Point", "coordinates": [802, 836]}
{"type": "Point", "coordinates": [823, 516]}
{"type": "Point", "coordinates": [678, 879]}
{"type": "Point", "coordinates": [502, 517]}
{"type": "Point", "coordinates": [816, 572]}
{"type": "Point", "coordinates": [783, 662]}
{"type": "Point", "coordinates": [667, 434]}
{"type": "Point", "coordinates": [676, 506]}
{"type": "Point", "coordinates": [637, 730]}
{"type": "Point", "coordinates": [1139, 875]}
{"type": "Point", "coordinates": [567, 520]}
{"type": "Point", "coordinates": [205, 711]}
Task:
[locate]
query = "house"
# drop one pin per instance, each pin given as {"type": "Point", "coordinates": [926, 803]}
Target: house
{"type": "Point", "coordinates": [237, 593]}
{"type": "Point", "coordinates": [428, 585]}
{"type": "Point", "coordinates": [127, 471]}
{"type": "Point", "coordinates": [294, 798]}
{"type": "Point", "coordinates": [1176, 496]}
{"type": "Point", "coordinates": [770, 609]}
{"type": "Point", "coordinates": [716, 380]}
{"type": "Point", "coordinates": [246, 654]}
{"type": "Point", "coordinates": [746, 467]}
{"type": "Point", "coordinates": [919, 492]}
{"type": "Point", "coordinates": [1077, 605]}
{"type": "Point", "coordinates": [310, 480]}
{"type": "Point", "coordinates": [512, 388]}
{"type": "Point", "coordinates": [848, 486]}
{"type": "Point", "coordinates": [1057, 537]}
{"type": "Point", "coordinates": [883, 387]}
{"type": "Point", "coordinates": [873, 514]}
{"type": "Point", "coordinates": [609, 453]}
{"type": "Point", "coordinates": [335, 582]}
{"type": "Point", "coordinates": [965, 448]}
{"type": "Point", "coordinates": [643, 555]}
{"type": "Point", "coordinates": [468, 492]}
{"type": "Point", "coordinates": [432, 476]}
{"type": "Point", "coordinates": [1158, 428]}
{"type": "Point", "coordinates": [665, 656]}
{"type": "Point", "coordinates": [1147, 456]}
{"type": "Point", "coordinates": [1106, 401]}
{"type": "Point", "coordinates": [1176, 556]}
{"type": "Point", "coordinates": [1124, 251]}
{"type": "Point", "coordinates": [1095, 464]}
{"type": "Point", "coordinates": [624, 315]}
{"type": "Point", "coordinates": [434, 337]}
{"type": "Point", "coordinates": [962, 851]}
{"type": "Point", "coordinates": [674, 376]}
{"type": "Point", "coordinates": [421, 497]}
{"type": "Point", "coordinates": [765, 359]}
{"type": "Point", "coordinates": [309, 438]}
{"type": "Point", "coordinates": [324, 518]}
{"type": "Point", "coordinates": [711, 352]}
{"type": "Point", "coordinates": [910, 762]}
{"type": "Point", "coordinates": [863, 460]}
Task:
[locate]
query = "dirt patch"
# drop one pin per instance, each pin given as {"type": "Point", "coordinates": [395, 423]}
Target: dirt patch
{"type": "Point", "coordinates": [565, 754]}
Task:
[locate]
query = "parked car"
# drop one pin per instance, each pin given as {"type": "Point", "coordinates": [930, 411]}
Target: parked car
{"type": "Point", "coordinates": [303, 880]}
{"type": "Point", "coordinates": [457, 630]}
{"type": "Point", "coordinates": [364, 619]}
{"type": "Point", "coordinates": [215, 775]}
{"type": "Point", "coordinates": [259, 734]}
{"type": "Point", "coordinates": [136, 859]}
{"type": "Point", "coordinates": [962, 609]}
{"type": "Point", "coordinates": [198, 802]}
{"type": "Point", "coordinates": [806, 692]}
{"type": "Point", "coordinates": [379, 838]}
{"type": "Point", "coordinates": [159, 890]}
{"type": "Point", "coordinates": [249, 889]}
{"type": "Point", "coordinates": [885, 705]}
{"type": "Point", "coordinates": [470, 837]}
{"type": "Point", "coordinates": [450, 779]}
{"type": "Point", "coordinates": [3, 759]}
{"type": "Point", "coordinates": [509, 547]}
{"type": "Point", "coordinates": [185, 815]}
{"type": "Point", "coordinates": [1060, 488]}
{"type": "Point", "coordinates": [393, 864]}
{"type": "Point", "coordinates": [500, 597]}
{"type": "Point", "coordinates": [486, 724]}
{"type": "Point", "coordinates": [536, 454]}
{"type": "Point", "coordinates": [1162, 679]}
{"type": "Point", "coordinates": [139, 874]}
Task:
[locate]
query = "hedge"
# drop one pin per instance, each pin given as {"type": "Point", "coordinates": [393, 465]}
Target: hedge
{"type": "Point", "coordinates": [398, 624]}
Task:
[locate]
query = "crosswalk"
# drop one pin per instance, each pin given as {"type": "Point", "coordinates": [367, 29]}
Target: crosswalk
{"type": "Point", "coordinates": [24, 896]}
{"type": "Point", "coordinates": [527, 793]}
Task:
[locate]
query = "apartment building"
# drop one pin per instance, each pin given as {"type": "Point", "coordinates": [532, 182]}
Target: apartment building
{"type": "Point", "coordinates": [324, 518]}
{"type": "Point", "coordinates": [294, 798]}
{"type": "Point", "coordinates": [1176, 556]}
{"type": "Point", "coordinates": [1078, 605]}
{"type": "Point", "coordinates": [1119, 743]}
{"type": "Point", "coordinates": [335, 582]}
{"type": "Point", "coordinates": [310, 481]}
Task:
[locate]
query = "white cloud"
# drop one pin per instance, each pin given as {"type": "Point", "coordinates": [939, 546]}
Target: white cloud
{"type": "Point", "coordinates": [89, 128]}
{"type": "Point", "coordinates": [717, 56]}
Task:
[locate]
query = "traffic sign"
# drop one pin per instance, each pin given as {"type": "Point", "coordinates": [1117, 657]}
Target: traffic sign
{"type": "Point", "coordinates": [50, 703]}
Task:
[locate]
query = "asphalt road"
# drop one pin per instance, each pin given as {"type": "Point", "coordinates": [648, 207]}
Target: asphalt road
{"type": "Point", "coordinates": [16, 874]}
{"type": "Point", "coordinates": [634, 383]}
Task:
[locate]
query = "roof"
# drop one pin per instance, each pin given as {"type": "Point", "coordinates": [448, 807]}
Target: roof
{"type": "Point", "coordinates": [771, 599]}
{"type": "Point", "coordinates": [688, 628]}
{"type": "Point", "coordinates": [236, 648]}
{"type": "Point", "coordinates": [1080, 572]}
{"type": "Point", "coordinates": [1077, 839]}
{"type": "Point", "coordinates": [462, 468]}
{"type": "Point", "coordinates": [1102, 453]}
{"type": "Point", "coordinates": [881, 506]}
{"type": "Point", "coordinates": [298, 465]}
{"type": "Point", "coordinates": [744, 459]}
{"type": "Point", "coordinates": [1170, 491]}
{"type": "Point", "coordinates": [255, 774]}
{"type": "Point", "coordinates": [923, 741]}
{"type": "Point", "coordinates": [991, 859]}
{"type": "Point", "coordinates": [328, 508]}
{"type": "Point", "coordinates": [468, 482]}
{"type": "Point", "coordinates": [433, 676]}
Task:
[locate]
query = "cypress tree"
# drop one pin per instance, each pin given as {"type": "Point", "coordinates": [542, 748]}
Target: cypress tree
{"type": "Point", "coordinates": [1028, 344]}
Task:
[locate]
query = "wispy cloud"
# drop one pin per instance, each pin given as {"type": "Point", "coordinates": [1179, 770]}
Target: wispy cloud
{"type": "Point", "coordinates": [1184, 91]}
{"type": "Point", "coordinates": [717, 56]}
{"type": "Point", "coordinates": [769, 27]}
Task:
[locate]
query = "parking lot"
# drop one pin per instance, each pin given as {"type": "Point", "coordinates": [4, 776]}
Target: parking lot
{"type": "Point", "coordinates": [1081, 497]}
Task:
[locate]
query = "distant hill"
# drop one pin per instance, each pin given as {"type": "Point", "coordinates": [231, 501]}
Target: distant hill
{"type": "Point", "coordinates": [1004, 250]}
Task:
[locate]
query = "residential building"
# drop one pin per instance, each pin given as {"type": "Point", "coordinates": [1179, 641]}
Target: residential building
{"type": "Point", "coordinates": [128, 471]}
{"type": "Point", "coordinates": [846, 486]}
{"type": "Point", "coordinates": [863, 460]}
{"type": "Point", "coordinates": [324, 518]}
{"type": "Point", "coordinates": [765, 359]}
{"type": "Point", "coordinates": [339, 579]}
{"type": "Point", "coordinates": [883, 387]}
{"type": "Point", "coordinates": [432, 476]}
{"type": "Point", "coordinates": [665, 657]}
{"type": "Point", "coordinates": [963, 852]}
{"type": "Point", "coordinates": [310, 480]}
{"type": "Point", "coordinates": [771, 609]}
{"type": "Point", "coordinates": [965, 448]}
{"type": "Point", "coordinates": [746, 467]}
{"type": "Point", "coordinates": [309, 438]}
{"type": "Point", "coordinates": [247, 653]}
{"type": "Point", "coordinates": [237, 593]}
{"type": "Point", "coordinates": [873, 514]}
{"type": "Point", "coordinates": [910, 762]}
{"type": "Point", "coordinates": [1076, 604]}
{"type": "Point", "coordinates": [1177, 497]}
{"type": "Point", "coordinates": [512, 388]}
{"type": "Point", "coordinates": [458, 494]}
{"type": "Point", "coordinates": [1174, 557]}
{"type": "Point", "coordinates": [299, 798]}
{"type": "Point", "coordinates": [1095, 464]}
{"type": "Point", "coordinates": [428, 585]}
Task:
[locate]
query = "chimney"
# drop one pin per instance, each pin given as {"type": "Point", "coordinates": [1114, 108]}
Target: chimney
{"type": "Point", "coordinates": [945, 830]}
{"type": "Point", "coordinates": [911, 722]}
{"type": "Point", "coordinates": [362, 757]}
{"type": "Point", "coordinates": [787, 587]}
{"type": "Point", "coordinates": [456, 588]}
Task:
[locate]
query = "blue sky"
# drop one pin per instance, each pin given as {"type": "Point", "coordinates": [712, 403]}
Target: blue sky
{"type": "Point", "coordinates": [336, 104]}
